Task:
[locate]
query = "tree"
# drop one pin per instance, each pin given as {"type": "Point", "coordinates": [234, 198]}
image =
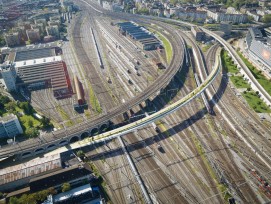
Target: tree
{"type": "Point", "coordinates": [4, 99]}
{"type": "Point", "coordinates": [52, 191]}
{"type": "Point", "coordinates": [2, 41]}
{"type": "Point", "coordinates": [80, 154]}
{"type": "Point", "coordinates": [250, 18]}
{"type": "Point", "coordinates": [32, 132]}
{"type": "Point", "coordinates": [11, 106]}
{"type": "Point", "coordinates": [267, 18]}
{"type": "Point", "coordinates": [66, 187]}
{"type": "Point", "coordinates": [45, 122]}
{"type": "Point", "coordinates": [14, 200]}
{"type": "Point", "coordinates": [28, 109]}
{"type": "Point", "coordinates": [41, 195]}
{"type": "Point", "coordinates": [30, 123]}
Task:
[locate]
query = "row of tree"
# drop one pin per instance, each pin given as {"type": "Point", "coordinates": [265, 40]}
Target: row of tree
{"type": "Point", "coordinates": [38, 197]}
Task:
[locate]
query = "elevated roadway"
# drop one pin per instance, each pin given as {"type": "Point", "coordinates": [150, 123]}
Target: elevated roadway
{"type": "Point", "coordinates": [154, 117]}
{"type": "Point", "coordinates": [232, 52]}
{"type": "Point", "coordinates": [52, 140]}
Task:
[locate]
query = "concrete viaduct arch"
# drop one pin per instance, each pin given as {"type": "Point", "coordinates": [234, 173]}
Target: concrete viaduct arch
{"type": "Point", "coordinates": [64, 141]}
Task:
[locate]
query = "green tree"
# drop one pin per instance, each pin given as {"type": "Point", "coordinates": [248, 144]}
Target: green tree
{"type": "Point", "coordinates": [41, 195]}
{"type": "Point", "coordinates": [45, 122]}
{"type": "Point", "coordinates": [52, 191]}
{"type": "Point", "coordinates": [28, 109]}
{"type": "Point", "coordinates": [2, 41]}
{"type": "Point", "coordinates": [32, 132]}
{"type": "Point", "coordinates": [267, 18]}
{"type": "Point", "coordinates": [29, 199]}
{"type": "Point", "coordinates": [4, 99]}
{"type": "Point", "coordinates": [174, 2]}
{"type": "Point", "coordinates": [80, 153]}
{"type": "Point", "coordinates": [11, 106]}
{"type": "Point", "coordinates": [14, 200]}
{"type": "Point", "coordinates": [66, 187]}
{"type": "Point", "coordinates": [30, 123]}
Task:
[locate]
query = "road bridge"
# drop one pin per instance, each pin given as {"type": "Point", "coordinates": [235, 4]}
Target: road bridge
{"type": "Point", "coordinates": [148, 119]}
{"type": "Point", "coordinates": [53, 140]}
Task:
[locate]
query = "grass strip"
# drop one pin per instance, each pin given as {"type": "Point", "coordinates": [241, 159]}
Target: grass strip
{"type": "Point", "coordinates": [255, 102]}
{"type": "Point", "coordinates": [239, 82]}
{"type": "Point", "coordinates": [265, 83]}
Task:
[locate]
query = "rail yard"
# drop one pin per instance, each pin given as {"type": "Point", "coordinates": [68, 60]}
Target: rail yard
{"type": "Point", "coordinates": [157, 127]}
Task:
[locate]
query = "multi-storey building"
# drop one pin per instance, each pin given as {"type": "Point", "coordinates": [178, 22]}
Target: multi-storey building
{"type": "Point", "coordinates": [53, 31]}
{"type": "Point", "coordinates": [10, 126]}
{"type": "Point", "coordinates": [259, 45]}
{"type": "Point", "coordinates": [12, 39]}
{"type": "Point", "coordinates": [38, 26]}
{"type": "Point", "coordinates": [8, 73]}
{"type": "Point", "coordinates": [33, 35]}
{"type": "Point", "coordinates": [198, 33]}
{"type": "Point", "coordinates": [229, 15]}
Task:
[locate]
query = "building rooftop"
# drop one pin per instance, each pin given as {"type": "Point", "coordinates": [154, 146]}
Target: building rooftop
{"type": "Point", "coordinates": [50, 70]}
{"type": "Point", "coordinates": [31, 168]}
{"type": "Point", "coordinates": [255, 33]}
{"type": "Point", "coordinates": [74, 192]}
{"type": "Point", "coordinates": [58, 177]}
{"type": "Point", "coordinates": [34, 54]}
{"type": "Point", "coordinates": [8, 118]}
{"type": "Point", "coordinates": [38, 61]}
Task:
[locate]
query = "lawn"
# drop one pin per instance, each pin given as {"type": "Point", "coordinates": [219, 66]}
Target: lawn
{"type": "Point", "coordinates": [167, 47]}
{"type": "Point", "coordinates": [25, 121]}
{"type": "Point", "coordinates": [228, 63]}
{"type": "Point", "coordinates": [93, 100]}
{"type": "Point", "coordinates": [166, 44]}
{"type": "Point", "coordinates": [255, 102]}
{"type": "Point", "coordinates": [239, 82]}
{"type": "Point", "coordinates": [265, 83]}
{"type": "Point", "coordinates": [205, 48]}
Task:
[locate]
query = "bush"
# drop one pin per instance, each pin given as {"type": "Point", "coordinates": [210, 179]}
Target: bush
{"type": "Point", "coordinates": [66, 187]}
{"type": "Point", "coordinates": [32, 132]}
{"type": "Point", "coordinates": [28, 109]}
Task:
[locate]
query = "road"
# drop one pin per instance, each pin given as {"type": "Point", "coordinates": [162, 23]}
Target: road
{"type": "Point", "coordinates": [80, 128]}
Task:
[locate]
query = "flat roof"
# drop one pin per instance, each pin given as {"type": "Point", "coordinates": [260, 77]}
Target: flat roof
{"type": "Point", "coordinates": [6, 50]}
{"type": "Point", "coordinates": [37, 61]}
{"type": "Point", "coordinates": [30, 168]}
{"type": "Point", "coordinates": [73, 192]}
{"type": "Point", "coordinates": [141, 37]}
{"type": "Point", "coordinates": [148, 40]}
{"type": "Point", "coordinates": [151, 43]}
{"type": "Point", "coordinates": [138, 33]}
{"type": "Point", "coordinates": [50, 69]}
{"type": "Point", "coordinates": [8, 117]}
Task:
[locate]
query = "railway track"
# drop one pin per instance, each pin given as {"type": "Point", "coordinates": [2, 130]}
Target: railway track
{"type": "Point", "coordinates": [233, 172]}
{"type": "Point", "coordinates": [162, 81]}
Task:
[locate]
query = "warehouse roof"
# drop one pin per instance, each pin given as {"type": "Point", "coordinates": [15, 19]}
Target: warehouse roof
{"type": "Point", "coordinates": [58, 177]}
{"type": "Point", "coordinates": [37, 61]}
{"type": "Point", "coordinates": [50, 69]}
{"type": "Point", "coordinates": [30, 168]}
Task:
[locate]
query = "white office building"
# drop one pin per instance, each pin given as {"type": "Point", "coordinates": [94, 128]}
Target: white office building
{"type": "Point", "coordinates": [8, 74]}
{"type": "Point", "coordinates": [10, 126]}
